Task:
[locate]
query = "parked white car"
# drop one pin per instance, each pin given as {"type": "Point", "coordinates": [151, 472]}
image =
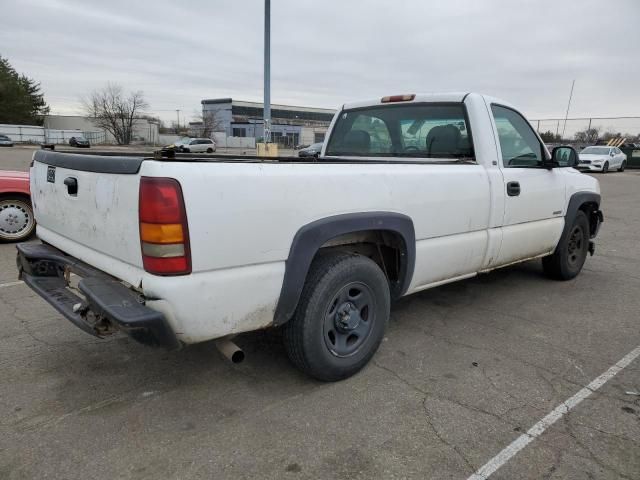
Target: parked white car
{"type": "Point", "coordinates": [602, 159]}
{"type": "Point", "coordinates": [199, 145]}
{"type": "Point", "coordinates": [409, 192]}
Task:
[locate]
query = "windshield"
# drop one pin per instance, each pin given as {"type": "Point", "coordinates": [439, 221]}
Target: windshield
{"type": "Point", "coordinates": [596, 151]}
{"type": "Point", "coordinates": [416, 130]}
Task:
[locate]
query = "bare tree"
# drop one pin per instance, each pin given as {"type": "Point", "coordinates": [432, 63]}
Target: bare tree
{"type": "Point", "coordinates": [589, 136]}
{"type": "Point", "coordinates": [610, 135]}
{"type": "Point", "coordinates": [116, 112]}
{"type": "Point", "coordinates": [177, 129]}
{"type": "Point", "coordinates": [209, 123]}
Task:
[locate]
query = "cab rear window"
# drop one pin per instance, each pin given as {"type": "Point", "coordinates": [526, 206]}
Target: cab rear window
{"type": "Point", "coordinates": [416, 130]}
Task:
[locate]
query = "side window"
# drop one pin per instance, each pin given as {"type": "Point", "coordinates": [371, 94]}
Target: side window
{"type": "Point", "coordinates": [519, 144]}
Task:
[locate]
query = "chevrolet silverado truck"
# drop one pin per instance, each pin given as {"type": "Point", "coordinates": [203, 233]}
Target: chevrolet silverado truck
{"type": "Point", "coordinates": [409, 192]}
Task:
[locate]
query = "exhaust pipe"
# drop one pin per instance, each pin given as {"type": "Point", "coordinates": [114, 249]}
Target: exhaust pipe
{"type": "Point", "coordinates": [230, 350]}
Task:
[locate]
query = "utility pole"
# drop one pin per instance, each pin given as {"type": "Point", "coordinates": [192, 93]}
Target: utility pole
{"type": "Point", "coordinates": [568, 105]}
{"type": "Point", "coordinates": [178, 115]}
{"type": "Point", "coordinates": [267, 71]}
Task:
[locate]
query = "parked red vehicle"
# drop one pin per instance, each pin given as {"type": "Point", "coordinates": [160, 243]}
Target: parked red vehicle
{"type": "Point", "coordinates": [16, 214]}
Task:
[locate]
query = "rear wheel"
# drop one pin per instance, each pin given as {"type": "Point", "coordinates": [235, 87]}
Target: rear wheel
{"type": "Point", "coordinates": [605, 168]}
{"type": "Point", "coordinates": [571, 253]}
{"type": "Point", "coordinates": [623, 166]}
{"type": "Point", "coordinates": [16, 219]}
{"type": "Point", "coordinates": [209, 150]}
{"type": "Point", "coordinates": [341, 317]}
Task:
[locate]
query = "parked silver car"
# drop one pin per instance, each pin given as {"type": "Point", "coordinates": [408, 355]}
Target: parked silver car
{"type": "Point", "coordinates": [5, 141]}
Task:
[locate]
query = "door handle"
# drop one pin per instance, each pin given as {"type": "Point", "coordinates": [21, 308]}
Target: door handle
{"type": "Point", "coordinates": [513, 189]}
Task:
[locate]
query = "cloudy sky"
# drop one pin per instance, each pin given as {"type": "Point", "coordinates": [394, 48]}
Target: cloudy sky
{"type": "Point", "coordinates": [325, 52]}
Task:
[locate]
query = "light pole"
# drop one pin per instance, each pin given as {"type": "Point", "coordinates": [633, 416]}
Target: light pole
{"type": "Point", "coordinates": [267, 71]}
{"type": "Point", "coordinates": [568, 105]}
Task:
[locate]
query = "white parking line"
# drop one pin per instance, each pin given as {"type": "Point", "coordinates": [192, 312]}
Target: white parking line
{"type": "Point", "coordinates": [11, 284]}
{"type": "Point", "coordinates": [565, 407]}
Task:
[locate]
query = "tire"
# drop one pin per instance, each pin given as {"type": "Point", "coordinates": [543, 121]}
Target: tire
{"type": "Point", "coordinates": [209, 150]}
{"type": "Point", "coordinates": [16, 219]}
{"type": "Point", "coordinates": [568, 259]}
{"type": "Point", "coordinates": [341, 317]}
{"type": "Point", "coordinates": [605, 167]}
{"type": "Point", "coordinates": [623, 166]}
{"type": "Point", "coordinates": [185, 150]}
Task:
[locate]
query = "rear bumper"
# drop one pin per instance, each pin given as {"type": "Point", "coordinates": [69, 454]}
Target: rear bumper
{"type": "Point", "coordinates": [102, 304]}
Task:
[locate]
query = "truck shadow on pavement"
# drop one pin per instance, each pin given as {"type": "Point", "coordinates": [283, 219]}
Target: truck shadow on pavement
{"type": "Point", "coordinates": [87, 376]}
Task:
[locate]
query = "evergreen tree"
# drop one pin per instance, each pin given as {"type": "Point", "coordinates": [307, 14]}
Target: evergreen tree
{"type": "Point", "coordinates": [21, 101]}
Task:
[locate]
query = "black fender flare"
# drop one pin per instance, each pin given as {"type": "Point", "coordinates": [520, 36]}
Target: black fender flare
{"type": "Point", "coordinates": [312, 236]}
{"type": "Point", "coordinates": [575, 202]}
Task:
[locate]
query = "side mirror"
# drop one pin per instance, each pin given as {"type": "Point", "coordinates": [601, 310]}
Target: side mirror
{"type": "Point", "coordinates": [564, 156]}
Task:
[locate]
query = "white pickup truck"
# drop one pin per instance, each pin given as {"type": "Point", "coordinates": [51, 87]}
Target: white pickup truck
{"type": "Point", "coordinates": [409, 192]}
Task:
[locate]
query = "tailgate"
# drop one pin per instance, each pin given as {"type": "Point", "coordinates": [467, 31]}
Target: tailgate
{"type": "Point", "coordinates": [88, 203]}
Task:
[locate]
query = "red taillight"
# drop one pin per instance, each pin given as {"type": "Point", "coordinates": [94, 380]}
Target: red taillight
{"type": "Point", "coordinates": [164, 236]}
{"type": "Point", "coordinates": [398, 98]}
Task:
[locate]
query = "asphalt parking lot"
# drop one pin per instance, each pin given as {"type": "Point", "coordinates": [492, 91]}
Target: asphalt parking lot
{"type": "Point", "coordinates": [465, 369]}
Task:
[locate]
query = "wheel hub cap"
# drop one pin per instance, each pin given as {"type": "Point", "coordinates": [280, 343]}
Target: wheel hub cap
{"type": "Point", "coordinates": [13, 219]}
{"type": "Point", "coordinates": [349, 319]}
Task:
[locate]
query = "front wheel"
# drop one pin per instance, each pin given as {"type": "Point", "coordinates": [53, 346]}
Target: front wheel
{"type": "Point", "coordinates": [16, 219]}
{"type": "Point", "coordinates": [209, 150]}
{"type": "Point", "coordinates": [571, 253]}
{"type": "Point", "coordinates": [605, 168]}
{"type": "Point", "coordinates": [341, 317]}
{"type": "Point", "coordinates": [623, 166]}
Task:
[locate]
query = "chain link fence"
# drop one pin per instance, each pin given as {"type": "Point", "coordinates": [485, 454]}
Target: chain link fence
{"type": "Point", "coordinates": [582, 132]}
{"type": "Point", "coordinates": [628, 127]}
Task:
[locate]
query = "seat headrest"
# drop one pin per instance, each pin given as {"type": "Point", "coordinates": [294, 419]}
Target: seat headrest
{"type": "Point", "coordinates": [443, 140]}
{"type": "Point", "coordinates": [357, 141]}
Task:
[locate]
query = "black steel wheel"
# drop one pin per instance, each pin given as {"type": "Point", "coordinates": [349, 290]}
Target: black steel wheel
{"type": "Point", "coordinates": [568, 259]}
{"type": "Point", "coordinates": [341, 316]}
{"type": "Point", "coordinates": [576, 247]}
